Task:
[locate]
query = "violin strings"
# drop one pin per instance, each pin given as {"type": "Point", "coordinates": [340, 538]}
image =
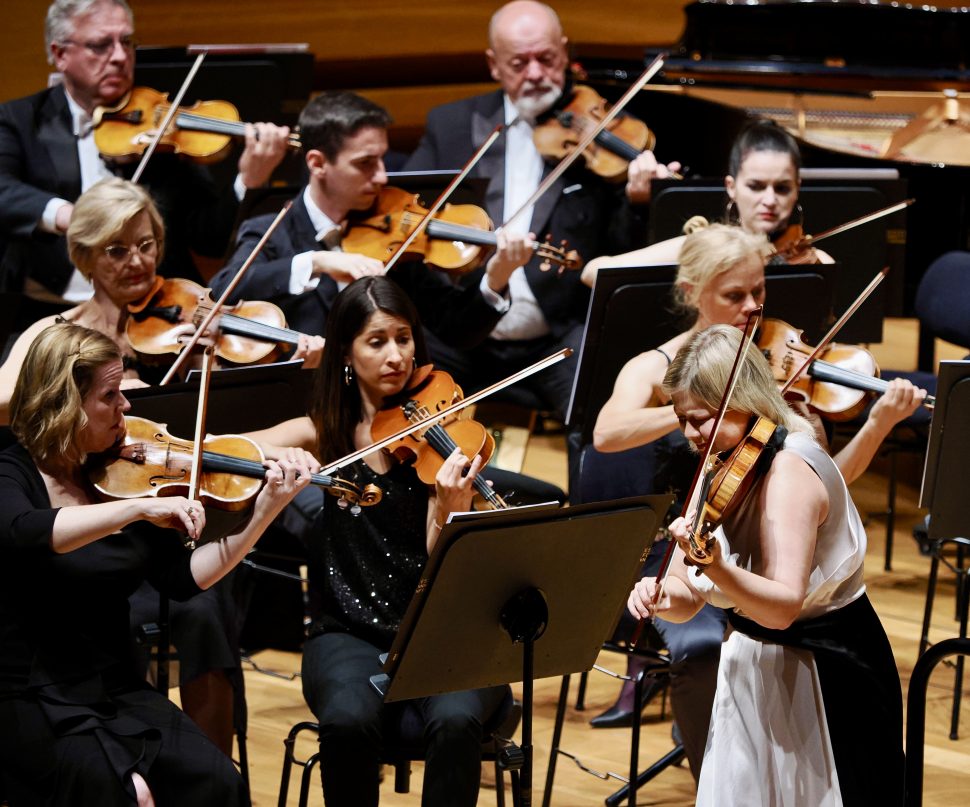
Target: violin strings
{"type": "Point", "coordinates": [242, 326]}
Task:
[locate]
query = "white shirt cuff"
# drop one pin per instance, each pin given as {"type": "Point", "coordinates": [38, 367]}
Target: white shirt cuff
{"type": "Point", "coordinates": [493, 298]}
{"type": "Point", "coordinates": [49, 216]}
{"type": "Point", "coordinates": [239, 188]}
{"type": "Point", "coordinates": [301, 273]}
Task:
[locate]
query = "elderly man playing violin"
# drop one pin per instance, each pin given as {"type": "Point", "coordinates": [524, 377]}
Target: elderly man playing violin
{"type": "Point", "coordinates": [527, 55]}
{"type": "Point", "coordinates": [48, 157]}
{"type": "Point", "coordinates": [302, 266]}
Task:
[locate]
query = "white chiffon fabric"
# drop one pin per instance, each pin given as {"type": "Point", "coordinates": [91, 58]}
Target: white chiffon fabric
{"type": "Point", "coordinates": [769, 742]}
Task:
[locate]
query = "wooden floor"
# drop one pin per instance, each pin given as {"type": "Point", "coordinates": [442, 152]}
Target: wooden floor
{"type": "Point", "coordinates": [276, 703]}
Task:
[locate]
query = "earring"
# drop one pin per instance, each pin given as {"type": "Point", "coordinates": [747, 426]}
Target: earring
{"type": "Point", "coordinates": [348, 374]}
{"type": "Point", "coordinates": [731, 215]}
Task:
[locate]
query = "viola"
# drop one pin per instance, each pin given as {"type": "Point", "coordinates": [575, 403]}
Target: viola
{"type": "Point", "coordinates": [612, 150]}
{"type": "Point", "coordinates": [249, 332]}
{"type": "Point", "coordinates": [429, 392]}
{"type": "Point", "coordinates": [202, 132]}
{"type": "Point", "coordinates": [454, 240]}
{"type": "Point", "coordinates": [151, 462]}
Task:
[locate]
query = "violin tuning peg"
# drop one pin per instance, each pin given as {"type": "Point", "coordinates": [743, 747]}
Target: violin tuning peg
{"type": "Point", "coordinates": [355, 510]}
{"type": "Point", "coordinates": [545, 266]}
{"type": "Point", "coordinates": [342, 503]}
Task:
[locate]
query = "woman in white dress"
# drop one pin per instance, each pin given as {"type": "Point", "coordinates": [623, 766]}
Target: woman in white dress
{"type": "Point", "coordinates": [808, 709]}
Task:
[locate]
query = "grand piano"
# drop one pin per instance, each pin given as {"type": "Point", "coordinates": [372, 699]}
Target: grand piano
{"type": "Point", "coordinates": [860, 84]}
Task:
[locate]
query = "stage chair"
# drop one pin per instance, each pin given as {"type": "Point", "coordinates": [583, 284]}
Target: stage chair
{"type": "Point", "coordinates": [407, 746]}
{"type": "Point", "coordinates": [943, 308]}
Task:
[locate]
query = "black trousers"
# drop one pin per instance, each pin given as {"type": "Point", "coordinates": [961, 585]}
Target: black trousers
{"type": "Point", "coordinates": [354, 722]}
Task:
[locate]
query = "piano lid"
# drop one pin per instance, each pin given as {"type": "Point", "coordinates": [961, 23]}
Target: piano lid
{"type": "Point", "coordinates": [825, 44]}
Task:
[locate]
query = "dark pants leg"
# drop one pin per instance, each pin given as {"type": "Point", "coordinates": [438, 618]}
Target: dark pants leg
{"type": "Point", "coordinates": [695, 651]}
{"type": "Point", "coordinates": [453, 730]}
{"type": "Point", "coordinates": [336, 672]}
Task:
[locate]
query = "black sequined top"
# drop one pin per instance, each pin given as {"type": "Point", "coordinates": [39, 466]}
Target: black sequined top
{"type": "Point", "coordinates": [364, 569]}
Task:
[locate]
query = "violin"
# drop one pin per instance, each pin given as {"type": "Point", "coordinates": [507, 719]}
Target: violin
{"type": "Point", "coordinates": [793, 246]}
{"type": "Point", "coordinates": [728, 483]}
{"type": "Point", "coordinates": [151, 462]}
{"type": "Point", "coordinates": [454, 240]}
{"type": "Point", "coordinates": [429, 392]}
{"type": "Point", "coordinates": [837, 385]}
{"type": "Point", "coordinates": [612, 150]}
{"type": "Point", "coordinates": [249, 332]}
{"type": "Point", "coordinates": [202, 132]}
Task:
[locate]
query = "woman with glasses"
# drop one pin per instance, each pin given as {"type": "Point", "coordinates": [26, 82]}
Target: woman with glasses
{"type": "Point", "coordinates": [116, 240]}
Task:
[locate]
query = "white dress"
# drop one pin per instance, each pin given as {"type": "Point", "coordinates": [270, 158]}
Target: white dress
{"type": "Point", "coordinates": [769, 742]}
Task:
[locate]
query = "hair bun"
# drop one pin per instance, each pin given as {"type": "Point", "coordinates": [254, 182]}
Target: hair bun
{"type": "Point", "coordinates": [695, 223]}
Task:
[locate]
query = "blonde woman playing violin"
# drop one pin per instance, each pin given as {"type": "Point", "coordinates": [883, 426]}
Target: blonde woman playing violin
{"type": "Point", "coordinates": [808, 662]}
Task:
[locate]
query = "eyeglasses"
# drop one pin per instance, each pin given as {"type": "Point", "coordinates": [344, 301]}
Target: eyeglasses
{"type": "Point", "coordinates": [103, 47]}
{"type": "Point", "coordinates": [120, 253]}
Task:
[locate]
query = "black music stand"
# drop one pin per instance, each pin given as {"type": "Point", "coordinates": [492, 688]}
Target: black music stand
{"type": "Point", "coordinates": [863, 251]}
{"type": "Point", "coordinates": [944, 492]}
{"type": "Point", "coordinates": [551, 580]}
{"type": "Point", "coordinates": [631, 311]}
{"type": "Point", "coordinates": [241, 399]}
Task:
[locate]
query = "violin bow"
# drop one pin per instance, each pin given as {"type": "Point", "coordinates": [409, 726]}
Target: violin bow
{"type": "Point", "coordinates": [195, 477]}
{"type": "Point", "coordinates": [836, 327]}
{"type": "Point", "coordinates": [217, 307]}
{"type": "Point", "coordinates": [700, 481]}
{"type": "Point", "coordinates": [167, 120]}
{"type": "Point", "coordinates": [542, 364]}
{"type": "Point", "coordinates": [443, 197]}
{"type": "Point", "coordinates": [849, 225]}
{"type": "Point", "coordinates": [589, 137]}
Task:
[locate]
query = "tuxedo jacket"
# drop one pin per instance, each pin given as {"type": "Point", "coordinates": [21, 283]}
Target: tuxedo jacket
{"type": "Point", "coordinates": [592, 215]}
{"type": "Point", "coordinates": [39, 161]}
{"type": "Point", "coordinates": [458, 316]}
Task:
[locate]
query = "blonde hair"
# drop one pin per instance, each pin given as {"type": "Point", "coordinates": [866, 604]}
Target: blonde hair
{"type": "Point", "coordinates": [701, 369]}
{"type": "Point", "coordinates": [101, 213]}
{"type": "Point", "coordinates": [710, 251]}
{"type": "Point", "coordinates": [46, 408]}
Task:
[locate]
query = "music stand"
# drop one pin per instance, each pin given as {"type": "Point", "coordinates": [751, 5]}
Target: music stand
{"type": "Point", "coordinates": [512, 575]}
{"type": "Point", "coordinates": [241, 399]}
{"type": "Point", "coordinates": [631, 310]}
{"type": "Point", "coordinates": [944, 492]}
{"type": "Point", "coordinates": [862, 251]}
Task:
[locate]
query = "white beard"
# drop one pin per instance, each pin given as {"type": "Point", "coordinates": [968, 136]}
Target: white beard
{"type": "Point", "coordinates": [531, 107]}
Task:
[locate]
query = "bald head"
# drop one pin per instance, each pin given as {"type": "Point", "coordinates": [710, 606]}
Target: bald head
{"type": "Point", "coordinates": [527, 55]}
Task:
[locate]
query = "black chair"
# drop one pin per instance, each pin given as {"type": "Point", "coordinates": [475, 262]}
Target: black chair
{"type": "Point", "coordinates": [602, 477]}
{"type": "Point", "coordinates": [406, 745]}
{"type": "Point", "coordinates": [943, 308]}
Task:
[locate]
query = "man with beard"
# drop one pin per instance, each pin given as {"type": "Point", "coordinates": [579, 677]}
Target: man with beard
{"type": "Point", "coordinates": [527, 55]}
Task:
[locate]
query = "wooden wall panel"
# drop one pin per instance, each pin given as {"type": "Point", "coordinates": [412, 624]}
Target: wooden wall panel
{"type": "Point", "coordinates": [337, 30]}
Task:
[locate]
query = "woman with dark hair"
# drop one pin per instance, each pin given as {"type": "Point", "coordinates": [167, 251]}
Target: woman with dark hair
{"type": "Point", "coordinates": [80, 724]}
{"type": "Point", "coordinates": [364, 568]}
{"type": "Point", "coordinates": [762, 183]}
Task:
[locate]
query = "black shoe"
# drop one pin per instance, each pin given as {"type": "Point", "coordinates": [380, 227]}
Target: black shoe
{"type": "Point", "coordinates": [616, 717]}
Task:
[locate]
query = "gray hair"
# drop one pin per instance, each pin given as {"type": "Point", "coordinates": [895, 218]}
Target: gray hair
{"type": "Point", "coordinates": [61, 15]}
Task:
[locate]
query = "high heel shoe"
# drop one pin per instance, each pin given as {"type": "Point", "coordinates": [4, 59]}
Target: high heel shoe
{"type": "Point", "coordinates": [617, 716]}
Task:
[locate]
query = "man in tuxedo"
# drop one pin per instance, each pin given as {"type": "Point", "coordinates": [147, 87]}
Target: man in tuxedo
{"type": "Point", "coordinates": [527, 55]}
{"type": "Point", "coordinates": [48, 157]}
{"type": "Point", "coordinates": [302, 266]}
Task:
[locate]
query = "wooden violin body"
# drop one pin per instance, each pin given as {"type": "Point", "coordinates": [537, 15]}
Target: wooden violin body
{"type": "Point", "coordinates": [202, 132]}
{"type": "Point", "coordinates": [432, 391]}
{"type": "Point", "coordinates": [151, 462]}
{"type": "Point", "coordinates": [455, 240]}
{"type": "Point", "coordinates": [249, 332]}
{"type": "Point", "coordinates": [728, 485]}
{"type": "Point", "coordinates": [794, 247]}
{"type": "Point", "coordinates": [613, 149]}
{"type": "Point", "coordinates": [783, 347]}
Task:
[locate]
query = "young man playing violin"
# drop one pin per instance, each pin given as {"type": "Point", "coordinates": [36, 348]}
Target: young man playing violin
{"type": "Point", "coordinates": [302, 266]}
{"type": "Point", "coordinates": [527, 55]}
{"type": "Point", "coordinates": [48, 157]}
